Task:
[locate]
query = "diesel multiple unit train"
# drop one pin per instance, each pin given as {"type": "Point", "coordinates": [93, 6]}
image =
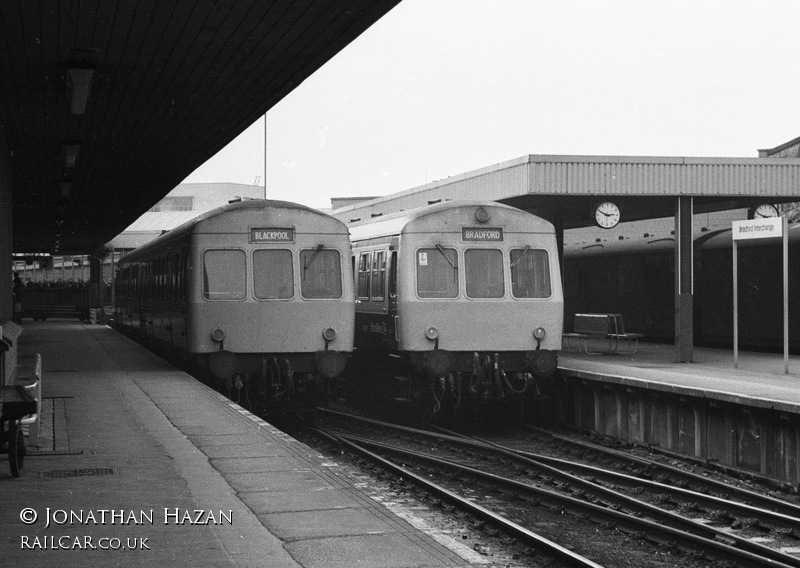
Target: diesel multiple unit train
{"type": "Point", "coordinates": [255, 293]}
{"type": "Point", "coordinates": [452, 302]}
{"type": "Point", "coordinates": [457, 302]}
{"type": "Point", "coordinates": [636, 277]}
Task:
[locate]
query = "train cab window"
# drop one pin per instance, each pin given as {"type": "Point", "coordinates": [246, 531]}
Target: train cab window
{"type": "Point", "coordinates": [437, 273]}
{"type": "Point", "coordinates": [530, 273]}
{"type": "Point", "coordinates": [273, 274]}
{"type": "Point", "coordinates": [321, 274]}
{"type": "Point", "coordinates": [378, 275]}
{"type": "Point", "coordinates": [364, 275]}
{"type": "Point", "coordinates": [483, 271]}
{"type": "Point", "coordinates": [224, 275]}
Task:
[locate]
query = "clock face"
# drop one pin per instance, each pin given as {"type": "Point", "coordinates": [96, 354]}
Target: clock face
{"type": "Point", "coordinates": [606, 215]}
{"type": "Point", "coordinates": [765, 210]}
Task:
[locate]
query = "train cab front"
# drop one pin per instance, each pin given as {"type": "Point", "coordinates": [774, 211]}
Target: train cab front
{"type": "Point", "coordinates": [285, 378]}
{"type": "Point", "coordinates": [484, 375]}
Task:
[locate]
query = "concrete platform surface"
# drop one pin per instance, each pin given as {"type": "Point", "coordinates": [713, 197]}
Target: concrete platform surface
{"type": "Point", "coordinates": [138, 465]}
{"type": "Point", "coordinates": [758, 380]}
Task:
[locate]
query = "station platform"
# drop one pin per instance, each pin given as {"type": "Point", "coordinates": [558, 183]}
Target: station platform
{"type": "Point", "coordinates": [758, 380]}
{"type": "Point", "coordinates": [138, 464]}
{"type": "Point", "coordinates": [744, 417]}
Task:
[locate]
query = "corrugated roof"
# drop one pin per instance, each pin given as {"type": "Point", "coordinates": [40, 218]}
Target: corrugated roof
{"type": "Point", "coordinates": [567, 185]}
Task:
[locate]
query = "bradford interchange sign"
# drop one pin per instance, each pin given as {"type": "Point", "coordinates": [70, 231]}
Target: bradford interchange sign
{"type": "Point", "coordinates": [758, 228]}
{"type": "Point", "coordinates": [761, 229]}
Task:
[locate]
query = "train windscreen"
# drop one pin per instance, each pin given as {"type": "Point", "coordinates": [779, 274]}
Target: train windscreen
{"type": "Point", "coordinates": [224, 275]}
{"type": "Point", "coordinates": [321, 275]}
{"type": "Point", "coordinates": [483, 269]}
{"type": "Point", "coordinates": [273, 276]}
{"type": "Point", "coordinates": [530, 273]}
{"type": "Point", "coordinates": [437, 273]}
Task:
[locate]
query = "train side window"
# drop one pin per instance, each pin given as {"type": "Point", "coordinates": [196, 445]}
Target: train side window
{"type": "Point", "coordinates": [364, 275]}
{"type": "Point", "coordinates": [321, 274]}
{"type": "Point", "coordinates": [378, 275]}
{"type": "Point", "coordinates": [483, 271]}
{"type": "Point", "coordinates": [530, 273]}
{"type": "Point", "coordinates": [437, 273]}
{"type": "Point", "coordinates": [224, 275]}
{"type": "Point", "coordinates": [273, 274]}
{"type": "Point", "coordinates": [135, 283]}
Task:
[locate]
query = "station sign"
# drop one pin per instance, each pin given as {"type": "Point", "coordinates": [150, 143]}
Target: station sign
{"type": "Point", "coordinates": [761, 229]}
{"type": "Point", "coordinates": [271, 235]}
{"type": "Point", "coordinates": [482, 234]}
{"type": "Point", "coordinates": [757, 228]}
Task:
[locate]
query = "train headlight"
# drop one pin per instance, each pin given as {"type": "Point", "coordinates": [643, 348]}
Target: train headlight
{"type": "Point", "coordinates": [539, 333]}
{"type": "Point", "coordinates": [482, 215]}
{"type": "Point", "coordinates": [218, 335]}
{"type": "Point", "coordinates": [328, 334]}
{"type": "Point", "coordinates": [433, 334]}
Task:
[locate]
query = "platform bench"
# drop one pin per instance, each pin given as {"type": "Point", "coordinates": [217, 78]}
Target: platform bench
{"type": "Point", "coordinates": [607, 328]}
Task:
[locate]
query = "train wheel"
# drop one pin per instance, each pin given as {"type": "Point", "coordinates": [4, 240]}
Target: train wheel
{"type": "Point", "coordinates": [16, 448]}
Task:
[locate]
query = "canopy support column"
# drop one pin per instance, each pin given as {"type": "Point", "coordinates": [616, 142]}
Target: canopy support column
{"type": "Point", "coordinates": [684, 280]}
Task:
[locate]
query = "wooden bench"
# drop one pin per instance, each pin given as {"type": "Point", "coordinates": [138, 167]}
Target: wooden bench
{"type": "Point", "coordinates": [607, 328]}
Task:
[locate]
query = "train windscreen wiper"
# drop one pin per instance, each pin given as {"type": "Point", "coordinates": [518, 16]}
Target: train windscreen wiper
{"type": "Point", "coordinates": [521, 255]}
{"type": "Point", "coordinates": [450, 262]}
{"type": "Point", "coordinates": [308, 264]}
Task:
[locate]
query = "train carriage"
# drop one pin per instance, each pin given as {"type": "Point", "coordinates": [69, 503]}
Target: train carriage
{"type": "Point", "coordinates": [460, 300]}
{"type": "Point", "coordinates": [636, 277]}
{"type": "Point", "coordinates": [254, 292]}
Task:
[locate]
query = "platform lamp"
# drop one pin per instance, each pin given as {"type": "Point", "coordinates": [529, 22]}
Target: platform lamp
{"type": "Point", "coordinates": [79, 84]}
{"type": "Point", "coordinates": [70, 154]}
{"type": "Point", "coordinates": [65, 188]}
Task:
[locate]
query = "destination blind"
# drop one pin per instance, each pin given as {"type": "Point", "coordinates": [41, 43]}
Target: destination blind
{"type": "Point", "coordinates": [271, 235]}
{"type": "Point", "coordinates": [482, 234]}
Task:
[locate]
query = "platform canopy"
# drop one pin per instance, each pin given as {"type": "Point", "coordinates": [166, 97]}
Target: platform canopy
{"type": "Point", "coordinates": [573, 191]}
{"type": "Point", "coordinates": [565, 189]}
{"type": "Point", "coordinates": [106, 105]}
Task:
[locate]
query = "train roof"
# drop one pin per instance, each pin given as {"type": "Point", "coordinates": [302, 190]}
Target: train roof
{"type": "Point", "coordinates": [247, 204]}
{"type": "Point", "coordinates": [396, 223]}
{"type": "Point", "coordinates": [720, 238]}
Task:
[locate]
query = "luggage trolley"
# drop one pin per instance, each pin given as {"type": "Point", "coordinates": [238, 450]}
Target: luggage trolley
{"type": "Point", "coordinates": [15, 403]}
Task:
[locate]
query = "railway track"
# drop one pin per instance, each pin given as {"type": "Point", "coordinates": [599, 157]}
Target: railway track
{"type": "Point", "coordinates": [692, 527]}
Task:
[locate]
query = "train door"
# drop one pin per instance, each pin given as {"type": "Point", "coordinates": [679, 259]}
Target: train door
{"type": "Point", "coordinates": [391, 297]}
{"type": "Point", "coordinates": [373, 323]}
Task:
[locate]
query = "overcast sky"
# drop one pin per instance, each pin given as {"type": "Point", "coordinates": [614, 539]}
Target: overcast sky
{"type": "Point", "coordinates": [441, 87]}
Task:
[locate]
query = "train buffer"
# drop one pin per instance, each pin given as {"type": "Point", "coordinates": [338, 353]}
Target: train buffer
{"type": "Point", "coordinates": [606, 330]}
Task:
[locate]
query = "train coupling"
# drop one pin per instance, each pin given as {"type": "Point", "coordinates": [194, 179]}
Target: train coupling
{"type": "Point", "coordinates": [330, 364]}
{"type": "Point", "coordinates": [542, 362]}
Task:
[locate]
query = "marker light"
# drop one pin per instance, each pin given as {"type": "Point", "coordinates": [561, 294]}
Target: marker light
{"type": "Point", "coordinates": [329, 334]}
{"type": "Point", "coordinates": [218, 335]}
{"type": "Point", "coordinates": [539, 333]}
{"type": "Point", "coordinates": [432, 333]}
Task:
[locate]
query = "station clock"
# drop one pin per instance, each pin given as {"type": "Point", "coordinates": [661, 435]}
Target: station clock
{"type": "Point", "coordinates": [606, 214]}
{"type": "Point", "coordinates": [762, 210]}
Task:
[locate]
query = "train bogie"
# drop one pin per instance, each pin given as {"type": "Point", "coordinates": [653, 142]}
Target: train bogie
{"type": "Point", "coordinates": [256, 293]}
